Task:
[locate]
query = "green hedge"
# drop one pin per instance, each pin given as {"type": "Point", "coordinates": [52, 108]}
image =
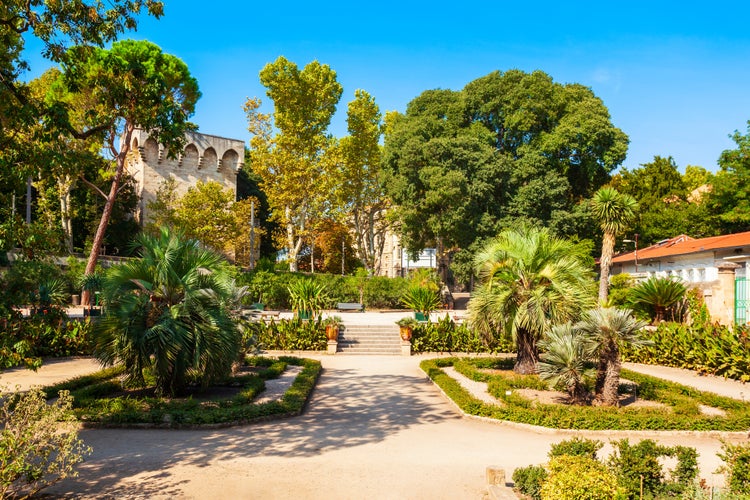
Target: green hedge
{"type": "Point", "coordinates": [97, 400]}
{"type": "Point", "coordinates": [682, 413]}
{"type": "Point", "coordinates": [25, 341]}
{"type": "Point", "coordinates": [447, 336]}
{"type": "Point", "coordinates": [286, 335]}
{"type": "Point", "coordinates": [702, 346]}
{"type": "Point", "coordinates": [270, 289]}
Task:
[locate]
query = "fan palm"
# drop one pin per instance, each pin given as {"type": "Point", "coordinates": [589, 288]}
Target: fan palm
{"type": "Point", "coordinates": [658, 295]}
{"type": "Point", "coordinates": [614, 210]}
{"type": "Point", "coordinates": [529, 281]}
{"type": "Point", "coordinates": [609, 328]}
{"type": "Point", "coordinates": [566, 361]}
{"type": "Point", "coordinates": [173, 311]}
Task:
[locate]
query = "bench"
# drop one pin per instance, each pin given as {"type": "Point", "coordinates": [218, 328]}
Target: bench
{"type": "Point", "coordinates": [350, 306]}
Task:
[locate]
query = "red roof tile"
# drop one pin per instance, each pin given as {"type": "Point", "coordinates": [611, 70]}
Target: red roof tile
{"type": "Point", "coordinates": [682, 245]}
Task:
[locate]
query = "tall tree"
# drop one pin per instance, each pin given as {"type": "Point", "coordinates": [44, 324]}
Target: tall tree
{"type": "Point", "coordinates": [530, 280]}
{"type": "Point", "coordinates": [133, 84]}
{"type": "Point", "coordinates": [614, 211]}
{"type": "Point", "coordinates": [59, 158]}
{"type": "Point", "coordinates": [57, 25]}
{"type": "Point", "coordinates": [361, 191]}
{"type": "Point", "coordinates": [463, 165]}
{"type": "Point", "coordinates": [297, 164]}
{"type": "Point", "coordinates": [730, 197]}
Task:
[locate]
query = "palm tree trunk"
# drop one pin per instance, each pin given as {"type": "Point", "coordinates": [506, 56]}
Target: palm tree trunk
{"type": "Point", "coordinates": [605, 263]}
{"type": "Point", "coordinates": [610, 395]}
{"type": "Point", "coordinates": [528, 353]}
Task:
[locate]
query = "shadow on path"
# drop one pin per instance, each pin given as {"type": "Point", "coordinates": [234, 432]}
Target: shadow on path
{"type": "Point", "coordinates": [349, 408]}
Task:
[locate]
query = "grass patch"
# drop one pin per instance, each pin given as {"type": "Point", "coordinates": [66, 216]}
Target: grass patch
{"type": "Point", "coordinates": [681, 413]}
{"type": "Point", "coordinates": [101, 400]}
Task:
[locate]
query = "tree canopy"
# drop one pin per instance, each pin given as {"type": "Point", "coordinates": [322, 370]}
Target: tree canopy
{"type": "Point", "coordinates": [297, 163]}
{"type": "Point", "coordinates": [463, 165]}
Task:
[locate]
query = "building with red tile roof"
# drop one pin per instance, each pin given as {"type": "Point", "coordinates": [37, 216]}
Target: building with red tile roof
{"type": "Point", "coordinates": [716, 265]}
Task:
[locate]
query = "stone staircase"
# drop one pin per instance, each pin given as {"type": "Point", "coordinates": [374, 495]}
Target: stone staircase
{"type": "Point", "coordinates": [369, 339]}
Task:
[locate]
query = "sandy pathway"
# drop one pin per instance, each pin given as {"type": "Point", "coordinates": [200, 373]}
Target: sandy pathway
{"type": "Point", "coordinates": [376, 427]}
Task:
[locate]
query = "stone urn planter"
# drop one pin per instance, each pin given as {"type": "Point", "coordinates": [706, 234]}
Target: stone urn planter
{"type": "Point", "coordinates": [332, 325]}
{"type": "Point", "coordinates": [406, 328]}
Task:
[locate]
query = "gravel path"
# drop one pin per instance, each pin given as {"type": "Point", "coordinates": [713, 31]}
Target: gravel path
{"type": "Point", "coordinates": [375, 427]}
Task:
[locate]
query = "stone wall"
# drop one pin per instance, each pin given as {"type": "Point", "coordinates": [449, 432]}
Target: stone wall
{"type": "Point", "coordinates": [205, 158]}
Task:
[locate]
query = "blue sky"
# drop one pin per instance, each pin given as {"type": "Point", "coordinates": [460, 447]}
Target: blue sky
{"type": "Point", "coordinates": [675, 78]}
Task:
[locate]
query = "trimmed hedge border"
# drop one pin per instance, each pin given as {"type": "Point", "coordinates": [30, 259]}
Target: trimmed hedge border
{"type": "Point", "coordinates": [683, 415]}
{"type": "Point", "coordinates": [190, 414]}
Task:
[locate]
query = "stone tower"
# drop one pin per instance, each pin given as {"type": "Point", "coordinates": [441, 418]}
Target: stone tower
{"type": "Point", "coordinates": [205, 158]}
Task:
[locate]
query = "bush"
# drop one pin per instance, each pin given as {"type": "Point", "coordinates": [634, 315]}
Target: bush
{"type": "Point", "coordinates": [576, 447]}
{"type": "Point", "coordinates": [702, 346]}
{"type": "Point", "coordinates": [24, 341]}
{"type": "Point", "coordinates": [377, 292]}
{"type": "Point", "coordinates": [39, 444]}
{"type": "Point", "coordinates": [737, 467]}
{"type": "Point", "coordinates": [578, 478]}
{"type": "Point", "coordinates": [529, 480]}
{"type": "Point", "coordinates": [287, 335]}
{"type": "Point", "coordinates": [447, 336]}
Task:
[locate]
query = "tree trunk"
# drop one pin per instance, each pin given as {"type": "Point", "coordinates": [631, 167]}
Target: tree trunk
{"type": "Point", "coordinates": [610, 395]}
{"type": "Point", "coordinates": [65, 186]}
{"type": "Point", "coordinates": [605, 263]}
{"type": "Point", "coordinates": [121, 158]}
{"type": "Point", "coordinates": [528, 354]}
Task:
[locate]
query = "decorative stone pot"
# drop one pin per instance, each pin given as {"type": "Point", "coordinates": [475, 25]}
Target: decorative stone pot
{"type": "Point", "coordinates": [405, 332]}
{"type": "Point", "coordinates": [332, 332]}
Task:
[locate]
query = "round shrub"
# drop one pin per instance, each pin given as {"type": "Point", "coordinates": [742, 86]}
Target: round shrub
{"type": "Point", "coordinates": [578, 478]}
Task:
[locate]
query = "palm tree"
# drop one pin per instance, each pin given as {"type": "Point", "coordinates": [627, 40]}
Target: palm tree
{"type": "Point", "coordinates": [567, 361]}
{"type": "Point", "coordinates": [529, 281]}
{"type": "Point", "coordinates": [614, 210]}
{"type": "Point", "coordinates": [657, 295]}
{"type": "Point", "coordinates": [609, 328]}
{"type": "Point", "coordinates": [172, 311]}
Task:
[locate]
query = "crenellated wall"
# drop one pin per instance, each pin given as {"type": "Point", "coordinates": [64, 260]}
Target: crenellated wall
{"type": "Point", "coordinates": [205, 158]}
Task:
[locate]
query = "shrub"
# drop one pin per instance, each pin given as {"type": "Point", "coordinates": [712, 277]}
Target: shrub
{"type": "Point", "coordinates": [529, 480]}
{"type": "Point", "coordinates": [24, 341]}
{"type": "Point", "coordinates": [447, 336]}
{"type": "Point", "coordinates": [39, 444]}
{"type": "Point", "coordinates": [736, 466]}
{"type": "Point", "coordinates": [702, 346]}
{"type": "Point", "coordinates": [576, 447]}
{"type": "Point", "coordinates": [287, 335]}
{"type": "Point", "coordinates": [578, 478]}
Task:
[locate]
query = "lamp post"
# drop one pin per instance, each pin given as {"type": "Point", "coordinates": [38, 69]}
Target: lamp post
{"type": "Point", "coordinates": [635, 254]}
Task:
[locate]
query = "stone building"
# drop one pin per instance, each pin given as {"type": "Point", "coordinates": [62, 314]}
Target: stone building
{"type": "Point", "coordinates": [205, 158]}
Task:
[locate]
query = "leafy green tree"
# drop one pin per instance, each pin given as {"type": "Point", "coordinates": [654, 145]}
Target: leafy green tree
{"type": "Point", "coordinates": [530, 280]}
{"type": "Point", "coordinates": [361, 191]}
{"type": "Point", "coordinates": [666, 206]}
{"type": "Point", "coordinates": [608, 329]}
{"type": "Point", "coordinates": [132, 84]}
{"type": "Point", "coordinates": [729, 198]}
{"type": "Point", "coordinates": [613, 210]}
{"type": "Point", "coordinates": [171, 311]}
{"type": "Point", "coordinates": [206, 212]}
{"type": "Point", "coordinates": [509, 147]}
{"type": "Point", "coordinates": [57, 25]}
{"type": "Point", "coordinates": [298, 163]}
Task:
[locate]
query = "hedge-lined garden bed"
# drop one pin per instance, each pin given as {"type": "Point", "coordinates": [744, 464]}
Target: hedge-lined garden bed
{"type": "Point", "coordinates": [681, 409]}
{"type": "Point", "coordinates": [101, 400]}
